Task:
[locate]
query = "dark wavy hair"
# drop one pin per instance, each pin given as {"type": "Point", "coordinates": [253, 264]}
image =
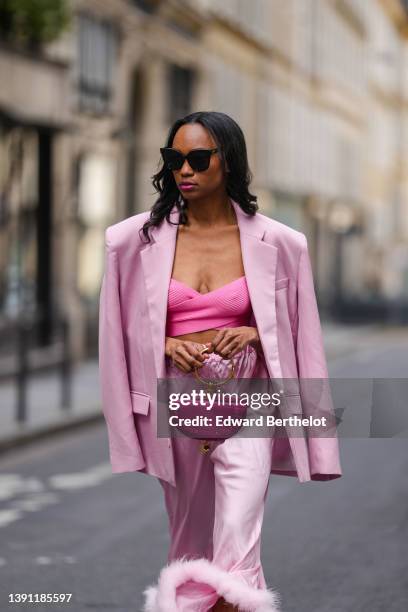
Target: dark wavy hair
{"type": "Point", "coordinates": [232, 149]}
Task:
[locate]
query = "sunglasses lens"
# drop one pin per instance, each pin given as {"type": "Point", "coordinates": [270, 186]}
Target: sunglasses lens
{"type": "Point", "coordinates": [199, 160]}
{"type": "Point", "coordinates": [173, 159]}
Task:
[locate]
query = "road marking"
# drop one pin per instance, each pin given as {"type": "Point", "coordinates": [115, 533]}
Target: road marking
{"type": "Point", "coordinates": [12, 485]}
{"type": "Point", "coordinates": [9, 516]}
{"type": "Point", "coordinates": [29, 494]}
{"type": "Point", "coordinates": [37, 502]}
{"type": "Point", "coordinates": [43, 560]}
{"type": "Point", "coordinates": [82, 480]}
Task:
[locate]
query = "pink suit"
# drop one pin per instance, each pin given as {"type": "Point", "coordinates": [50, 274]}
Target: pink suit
{"type": "Point", "coordinates": [133, 308]}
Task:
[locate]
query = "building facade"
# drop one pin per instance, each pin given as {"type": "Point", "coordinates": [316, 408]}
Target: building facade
{"type": "Point", "coordinates": [319, 88]}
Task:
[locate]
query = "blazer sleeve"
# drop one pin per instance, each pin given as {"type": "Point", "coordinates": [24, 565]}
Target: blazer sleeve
{"type": "Point", "coordinates": [124, 447]}
{"type": "Point", "coordinates": [312, 366]}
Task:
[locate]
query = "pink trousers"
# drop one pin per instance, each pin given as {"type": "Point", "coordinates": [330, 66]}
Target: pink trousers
{"type": "Point", "coordinates": [215, 516]}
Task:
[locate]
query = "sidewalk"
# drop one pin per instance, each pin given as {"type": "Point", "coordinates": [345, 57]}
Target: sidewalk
{"type": "Point", "coordinates": [45, 416]}
{"type": "Point", "coordinates": [44, 413]}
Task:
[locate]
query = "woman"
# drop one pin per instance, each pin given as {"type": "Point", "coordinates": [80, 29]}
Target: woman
{"type": "Point", "coordinates": [216, 282]}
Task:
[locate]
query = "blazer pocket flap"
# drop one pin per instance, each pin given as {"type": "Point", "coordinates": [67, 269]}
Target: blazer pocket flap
{"type": "Point", "coordinates": [140, 402]}
{"type": "Point", "coordinates": [281, 283]}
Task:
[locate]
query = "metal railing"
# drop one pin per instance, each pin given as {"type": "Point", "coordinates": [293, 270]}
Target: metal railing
{"type": "Point", "coordinates": [22, 357]}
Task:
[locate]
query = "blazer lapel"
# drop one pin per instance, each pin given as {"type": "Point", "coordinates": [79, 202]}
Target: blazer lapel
{"type": "Point", "coordinates": [259, 260]}
{"type": "Point", "coordinates": [157, 262]}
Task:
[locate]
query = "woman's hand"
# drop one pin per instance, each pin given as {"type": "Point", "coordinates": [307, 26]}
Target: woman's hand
{"type": "Point", "coordinates": [230, 340]}
{"type": "Point", "coordinates": [185, 354]}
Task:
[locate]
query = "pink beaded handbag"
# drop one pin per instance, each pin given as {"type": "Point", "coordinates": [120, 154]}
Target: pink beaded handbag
{"type": "Point", "coordinates": [241, 365]}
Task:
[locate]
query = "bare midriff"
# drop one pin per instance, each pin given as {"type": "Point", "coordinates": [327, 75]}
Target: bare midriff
{"type": "Point", "coordinates": [207, 335]}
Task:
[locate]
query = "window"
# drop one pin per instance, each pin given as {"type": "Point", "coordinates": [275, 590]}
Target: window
{"type": "Point", "coordinates": [147, 6]}
{"type": "Point", "coordinates": [180, 88]}
{"type": "Point", "coordinates": [97, 54]}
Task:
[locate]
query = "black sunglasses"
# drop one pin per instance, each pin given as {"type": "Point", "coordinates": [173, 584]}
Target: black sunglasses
{"type": "Point", "coordinates": [198, 159]}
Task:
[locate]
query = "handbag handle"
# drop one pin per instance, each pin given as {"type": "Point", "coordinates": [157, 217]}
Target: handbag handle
{"type": "Point", "coordinates": [215, 383]}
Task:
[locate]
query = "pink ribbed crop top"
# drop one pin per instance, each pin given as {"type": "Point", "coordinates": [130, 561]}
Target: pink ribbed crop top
{"type": "Point", "coordinates": [190, 311]}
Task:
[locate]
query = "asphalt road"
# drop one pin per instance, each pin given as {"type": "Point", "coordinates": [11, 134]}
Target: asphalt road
{"type": "Point", "coordinates": [67, 525]}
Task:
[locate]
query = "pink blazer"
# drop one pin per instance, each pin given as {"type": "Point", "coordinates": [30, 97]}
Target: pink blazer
{"type": "Point", "coordinates": [132, 319]}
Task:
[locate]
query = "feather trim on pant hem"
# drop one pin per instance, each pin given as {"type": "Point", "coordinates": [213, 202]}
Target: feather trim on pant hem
{"type": "Point", "coordinates": [162, 598]}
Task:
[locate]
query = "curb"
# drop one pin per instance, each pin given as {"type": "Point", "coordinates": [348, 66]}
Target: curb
{"type": "Point", "coordinates": [25, 438]}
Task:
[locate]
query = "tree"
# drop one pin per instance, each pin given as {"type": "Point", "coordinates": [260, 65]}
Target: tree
{"type": "Point", "coordinates": [32, 23]}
